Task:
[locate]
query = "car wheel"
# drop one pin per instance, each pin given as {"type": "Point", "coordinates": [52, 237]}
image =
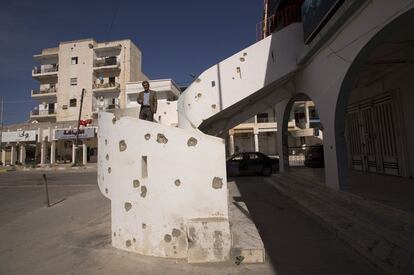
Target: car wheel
{"type": "Point", "coordinates": [267, 171]}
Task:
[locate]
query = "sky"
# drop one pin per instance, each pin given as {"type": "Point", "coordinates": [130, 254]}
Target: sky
{"type": "Point", "coordinates": [177, 38]}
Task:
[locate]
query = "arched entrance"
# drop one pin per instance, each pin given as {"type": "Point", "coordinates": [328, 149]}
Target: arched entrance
{"type": "Point", "coordinates": [302, 138]}
{"type": "Point", "coordinates": [374, 112]}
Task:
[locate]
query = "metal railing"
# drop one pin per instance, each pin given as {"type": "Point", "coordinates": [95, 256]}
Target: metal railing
{"type": "Point", "coordinates": [106, 85]}
{"type": "Point", "coordinates": [43, 112]}
{"type": "Point", "coordinates": [297, 154]}
{"type": "Point", "coordinates": [45, 70]}
{"type": "Point", "coordinates": [44, 91]}
{"type": "Point", "coordinates": [105, 62]}
{"type": "Point", "coordinates": [278, 21]}
{"type": "Point", "coordinates": [103, 107]}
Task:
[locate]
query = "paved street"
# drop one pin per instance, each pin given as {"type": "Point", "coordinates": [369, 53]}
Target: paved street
{"type": "Point", "coordinates": [73, 237]}
{"type": "Point", "coordinates": [22, 192]}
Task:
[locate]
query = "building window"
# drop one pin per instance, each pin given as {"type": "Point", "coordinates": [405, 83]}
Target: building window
{"type": "Point", "coordinates": [112, 80]}
{"type": "Point", "coordinates": [74, 60]}
{"type": "Point", "coordinates": [263, 117]}
{"type": "Point", "coordinates": [73, 81]}
{"type": "Point", "coordinates": [72, 102]}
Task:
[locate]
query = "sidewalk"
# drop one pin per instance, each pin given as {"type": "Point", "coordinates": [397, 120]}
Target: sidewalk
{"type": "Point", "coordinates": [57, 167]}
{"type": "Point", "coordinates": [383, 234]}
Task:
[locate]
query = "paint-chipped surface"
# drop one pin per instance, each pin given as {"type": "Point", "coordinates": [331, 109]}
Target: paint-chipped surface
{"type": "Point", "coordinates": [209, 240]}
{"type": "Point", "coordinates": [122, 145]}
{"type": "Point", "coordinates": [135, 183]}
{"type": "Point", "coordinates": [218, 244]}
{"type": "Point", "coordinates": [147, 136]}
{"type": "Point", "coordinates": [107, 157]}
{"type": "Point", "coordinates": [167, 238]}
{"type": "Point", "coordinates": [127, 206]}
{"type": "Point", "coordinates": [192, 142]}
{"type": "Point", "coordinates": [217, 183]}
{"type": "Point", "coordinates": [176, 232]}
{"type": "Point", "coordinates": [128, 243]}
{"type": "Point", "coordinates": [159, 199]}
{"type": "Point", "coordinates": [143, 191]}
{"type": "Point", "coordinates": [161, 138]}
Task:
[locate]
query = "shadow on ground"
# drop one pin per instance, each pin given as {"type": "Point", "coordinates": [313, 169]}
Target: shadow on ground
{"type": "Point", "coordinates": [295, 243]}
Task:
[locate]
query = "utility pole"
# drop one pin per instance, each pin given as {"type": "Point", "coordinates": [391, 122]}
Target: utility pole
{"type": "Point", "coordinates": [77, 131]}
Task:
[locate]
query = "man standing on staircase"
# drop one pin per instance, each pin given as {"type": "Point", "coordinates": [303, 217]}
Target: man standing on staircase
{"type": "Point", "coordinates": [148, 101]}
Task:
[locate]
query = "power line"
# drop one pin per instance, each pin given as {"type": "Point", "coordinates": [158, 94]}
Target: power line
{"type": "Point", "coordinates": [113, 20]}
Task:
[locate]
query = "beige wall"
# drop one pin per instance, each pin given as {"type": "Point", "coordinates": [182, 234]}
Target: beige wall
{"type": "Point", "coordinates": [82, 71]}
{"type": "Point", "coordinates": [128, 56]}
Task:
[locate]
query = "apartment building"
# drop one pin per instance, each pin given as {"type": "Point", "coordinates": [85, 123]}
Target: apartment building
{"type": "Point", "coordinates": [259, 132]}
{"type": "Point", "coordinates": [101, 68]}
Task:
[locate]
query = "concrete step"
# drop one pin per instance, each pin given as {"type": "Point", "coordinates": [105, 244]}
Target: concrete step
{"type": "Point", "coordinates": [380, 233]}
{"type": "Point", "coordinates": [246, 241]}
{"type": "Point", "coordinates": [247, 245]}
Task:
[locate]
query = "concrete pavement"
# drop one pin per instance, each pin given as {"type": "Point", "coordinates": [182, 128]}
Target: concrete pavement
{"type": "Point", "coordinates": [73, 237]}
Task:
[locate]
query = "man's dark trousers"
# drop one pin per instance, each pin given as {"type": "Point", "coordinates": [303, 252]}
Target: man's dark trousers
{"type": "Point", "coordinates": [146, 114]}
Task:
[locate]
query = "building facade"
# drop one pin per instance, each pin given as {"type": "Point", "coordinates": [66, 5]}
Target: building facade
{"type": "Point", "coordinates": [102, 70]}
{"type": "Point", "coordinates": [259, 132]}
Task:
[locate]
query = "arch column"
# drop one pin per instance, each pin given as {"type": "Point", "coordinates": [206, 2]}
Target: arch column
{"type": "Point", "coordinates": [334, 145]}
{"type": "Point", "coordinates": [13, 155]}
{"type": "Point", "coordinates": [84, 154]}
{"type": "Point", "coordinates": [256, 138]}
{"type": "Point", "coordinates": [43, 148]}
{"type": "Point", "coordinates": [73, 153]}
{"type": "Point", "coordinates": [3, 156]}
{"type": "Point", "coordinates": [53, 152]}
{"type": "Point", "coordinates": [282, 118]}
{"type": "Point", "coordinates": [22, 155]}
{"type": "Point", "coordinates": [231, 142]}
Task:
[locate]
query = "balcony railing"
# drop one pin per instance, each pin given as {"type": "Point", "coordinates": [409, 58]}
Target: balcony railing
{"type": "Point", "coordinates": [47, 91]}
{"type": "Point", "coordinates": [112, 85]}
{"type": "Point", "coordinates": [43, 112]}
{"type": "Point", "coordinates": [103, 107]}
{"type": "Point", "coordinates": [111, 61]}
{"type": "Point", "coordinates": [278, 21]}
{"type": "Point", "coordinates": [45, 70]}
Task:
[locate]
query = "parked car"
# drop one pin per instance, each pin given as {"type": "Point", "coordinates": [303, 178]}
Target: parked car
{"type": "Point", "coordinates": [314, 157]}
{"type": "Point", "coordinates": [251, 163]}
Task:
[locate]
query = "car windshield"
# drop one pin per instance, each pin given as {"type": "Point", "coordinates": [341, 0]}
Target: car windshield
{"type": "Point", "coordinates": [236, 157]}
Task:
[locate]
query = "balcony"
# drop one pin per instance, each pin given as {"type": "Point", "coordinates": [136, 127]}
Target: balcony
{"type": "Point", "coordinates": [42, 73]}
{"type": "Point", "coordinates": [106, 87]}
{"type": "Point", "coordinates": [106, 64]}
{"type": "Point", "coordinates": [42, 113]}
{"type": "Point", "coordinates": [276, 22]}
{"type": "Point", "coordinates": [108, 47]}
{"type": "Point", "coordinates": [50, 92]}
{"type": "Point", "coordinates": [103, 107]}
